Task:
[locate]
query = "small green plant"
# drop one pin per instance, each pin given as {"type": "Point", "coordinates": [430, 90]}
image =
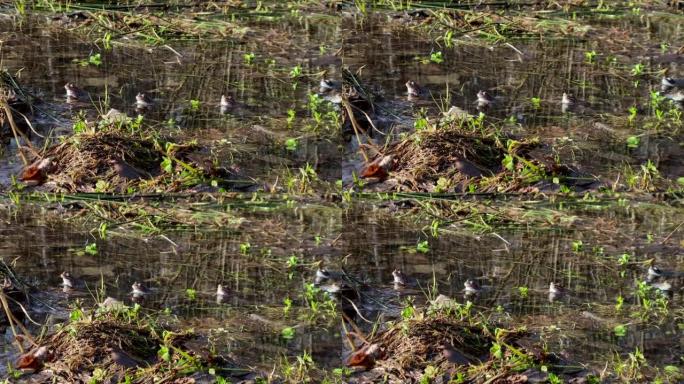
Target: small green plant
{"type": "Point", "coordinates": [80, 126]}
{"type": "Point", "coordinates": [638, 69]}
{"type": "Point", "coordinates": [496, 350]}
{"type": "Point", "coordinates": [408, 311]}
{"type": "Point", "coordinates": [102, 186]}
{"type": "Point", "coordinates": [664, 47]}
{"type": "Point", "coordinates": [554, 379]}
{"type": "Point", "coordinates": [633, 142]}
{"type": "Point", "coordinates": [102, 230]}
{"type": "Point", "coordinates": [624, 259]}
{"type": "Point", "coordinates": [249, 58]}
{"type": "Point", "coordinates": [167, 164]}
{"type": "Point", "coordinates": [296, 71]}
{"type": "Point", "coordinates": [436, 57]}
{"type": "Point", "coordinates": [536, 102]}
{"type": "Point", "coordinates": [448, 38]}
{"type": "Point", "coordinates": [291, 144]}
{"type": "Point", "coordinates": [434, 228]}
{"type": "Point", "coordinates": [292, 262]}
{"type": "Point", "coordinates": [95, 59]}
{"type": "Point", "coordinates": [245, 248]}
{"type": "Point", "coordinates": [429, 374]}
{"type": "Point", "coordinates": [91, 249]}
{"type": "Point", "coordinates": [590, 56]}
{"type": "Point", "coordinates": [76, 314]}
{"type": "Point", "coordinates": [523, 291]}
{"type": "Point", "coordinates": [191, 294]}
{"type": "Point", "coordinates": [287, 306]}
{"type": "Point", "coordinates": [656, 99]}
{"type": "Point", "coordinates": [164, 353]}
{"type": "Point", "coordinates": [443, 185]}
{"type": "Point", "coordinates": [195, 105]}
{"type": "Point", "coordinates": [632, 114]}
{"type": "Point", "coordinates": [420, 124]}
{"type": "Point", "coordinates": [98, 376]}
{"type": "Point", "coordinates": [423, 246]}
{"type": "Point", "coordinates": [620, 330]}
{"type": "Point", "coordinates": [577, 246]}
{"type": "Point", "coordinates": [20, 7]}
{"type": "Point", "coordinates": [508, 162]}
{"type": "Point", "coordinates": [107, 41]}
{"type": "Point", "coordinates": [290, 117]}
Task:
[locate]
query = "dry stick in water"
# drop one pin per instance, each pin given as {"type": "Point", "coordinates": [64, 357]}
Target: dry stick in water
{"type": "Point", "coordinates": [357, 332]}
{"type": "Point", "coordinates": [8, 313]}
{"type": "Point", "coordinates": [15, 130]}
{"type": "Point", "coordinates": [12, 320]}
{"type": "Point", "coordinates": [350, 113]}
{"type": "Point", "coordinates": [28, 317]}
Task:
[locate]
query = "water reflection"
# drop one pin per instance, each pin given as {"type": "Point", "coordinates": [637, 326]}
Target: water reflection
{"type": "Point", "coordinates": [236, 282]}
{"type": "Point", "coordinates": [513, 269]}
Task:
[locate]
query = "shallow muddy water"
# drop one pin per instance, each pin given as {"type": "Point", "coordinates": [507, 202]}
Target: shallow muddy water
{"type": "Point", "coordinates": [368, 246]}
{"type": "Point", "coordinates": [598, 250]}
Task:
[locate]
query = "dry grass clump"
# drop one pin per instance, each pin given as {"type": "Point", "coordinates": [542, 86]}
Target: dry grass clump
{"type": "Point", "coordinates": [443, 344]}
{"type": "Point", "coordinates": [112, 160]}
{"type": "Point", "coordinates": [116, 346]}
{"type": "Point", "coordinates": [419, 342]}
{"type": "Point", "coordinates": [79, 163]}
{"type": "Point", "coordinates": [420, 164]}
{"type": "Point", "coordinates": [80, 348]}
{"type": "Point", "coordinates": [448, 159]}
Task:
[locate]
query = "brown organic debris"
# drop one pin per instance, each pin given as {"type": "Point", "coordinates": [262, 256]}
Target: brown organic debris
{"type": "Point", "coordinates": [112, 161]}
{"type": "Point", "coordinates": [443, 341]}
{"type": "Point", "coordinates": [457, 156]}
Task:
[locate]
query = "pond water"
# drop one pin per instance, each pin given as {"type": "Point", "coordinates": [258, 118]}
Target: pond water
{"type": "Point", "coordinates": [597, 250]}
{"type": "Point", "coordinates": [369, 246]}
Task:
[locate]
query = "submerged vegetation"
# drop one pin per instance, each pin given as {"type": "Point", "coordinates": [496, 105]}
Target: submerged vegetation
{"type": "Point", "coordinates": [342, 191]}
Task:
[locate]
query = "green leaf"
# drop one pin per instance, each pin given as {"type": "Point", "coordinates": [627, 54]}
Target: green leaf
{"type": "Point", "coordinates": [620, 330]}
{"type": "Point", "coordinates": [167, 165]}
{"type": "Point", "coordinates": [291, 144]}
{"type": "Point", "coordinates": [633, 142]}
{"type": "Point", "coordinates": [192, 294]}
{"type": "Point", "coordinates": [91, 249]}
{"type": "Point", "coordinates": [164, 353]}
{"type": "Point", "coordinates": [95, 59]}
{"type": "Point", "coordinates": [76, 315]}
{"type": "Point", "coordinates": [423, 246]}
{"type": "Point", "coordinates": [436, 57]}
{"type": "Point", "coordinates": [288, 333]}
{"type": "Point", "coordinates": [508, 162]}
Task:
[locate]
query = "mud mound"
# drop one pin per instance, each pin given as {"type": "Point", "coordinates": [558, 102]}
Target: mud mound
{"type": "Point", "coordinates": [104, 344]}
{"type": "Point", "coordinates": [115, 348]}
{"type": "Point", "coordinates": [79, 164]}
{"type": "Point", "coordinates": [111, 161]}
{"type": "Point", "coordinates": [443, 342]}
{"type": "Point", "coordinates": [440, 347]}
{"type": "Point", "coordinates": [454, 159]}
